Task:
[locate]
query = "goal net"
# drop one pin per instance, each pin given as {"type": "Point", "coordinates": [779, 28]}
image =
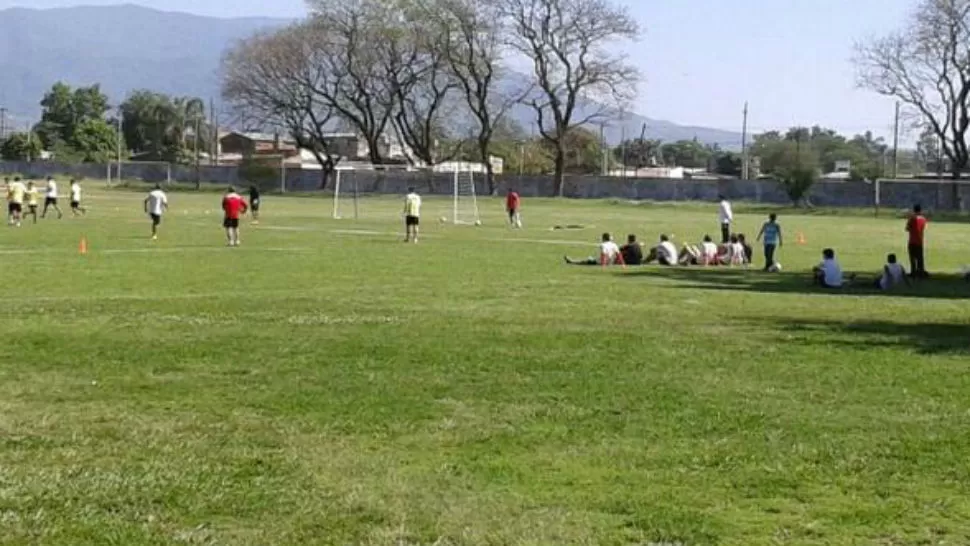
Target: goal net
{"type": "Point", "coordinates": [449, 191]}
{"type": "Point", "coordinates": [465, 200]}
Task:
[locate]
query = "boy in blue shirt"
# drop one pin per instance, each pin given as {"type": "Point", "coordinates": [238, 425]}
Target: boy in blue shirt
{"type": "Point", "coordinates": [771, 233]}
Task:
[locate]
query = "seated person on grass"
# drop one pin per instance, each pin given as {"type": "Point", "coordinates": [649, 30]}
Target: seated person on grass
{"type": "Point", "coordinates": [828, 274]}
{"type": "Point", "coordinates": [664, 254]}
{"type": "Point", "coordinates": [748, 251]}
{"type": "Point", "coordinates": [609, 254]}
{"type": "Point", "coordinates": [632, 251]}
{"type": "Point", "coordinates": [892, 275]}
{"type": "Point", "coordinates": [703, 254]}
{"type": "Point", "coordinates": [731, 253]}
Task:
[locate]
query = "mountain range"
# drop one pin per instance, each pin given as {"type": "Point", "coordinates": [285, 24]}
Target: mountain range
{"type": "Point", "coordinates": [128, 47]}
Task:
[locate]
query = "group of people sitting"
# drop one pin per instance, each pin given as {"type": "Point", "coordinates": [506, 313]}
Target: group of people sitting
{"type": "Point", "coordinates": [735, 252]}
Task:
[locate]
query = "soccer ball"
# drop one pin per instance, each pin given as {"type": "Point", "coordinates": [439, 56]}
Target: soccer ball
{"type": "Point", "coordinates": [775, 268]}
{"type": "Point", "coordinates": [478, 222]}
{"type": "Point", "coordinates": [443, 220]}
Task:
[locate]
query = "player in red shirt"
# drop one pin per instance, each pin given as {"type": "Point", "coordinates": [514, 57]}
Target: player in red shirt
{"type": "Point", "coordinates": [916, 227]}
{"type": "Point", "coordinates": [512, 203]}
{"type": "Point", "coordinates": [234, 206]}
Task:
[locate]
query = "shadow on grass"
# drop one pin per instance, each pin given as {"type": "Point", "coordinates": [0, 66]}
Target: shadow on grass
{"type": "Point", "coordinates": [926, 338]}
{"type": "Point", "coordinates": [739, 280]}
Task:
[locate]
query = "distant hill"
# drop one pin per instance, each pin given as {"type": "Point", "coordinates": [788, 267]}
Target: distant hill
{"type": "Point", "coordinates": [131, 47]}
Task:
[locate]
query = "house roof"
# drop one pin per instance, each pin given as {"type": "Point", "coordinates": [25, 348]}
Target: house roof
{"type": "Point", "coordinates": [261, 137]}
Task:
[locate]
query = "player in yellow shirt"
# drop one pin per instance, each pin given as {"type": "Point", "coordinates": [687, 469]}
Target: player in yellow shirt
{"type": "Point", "coordinates": [412, 216]}
{"type": "Point", "coordinates": [15, 201]}
{"type": "Point", "coordinates": [32, 200]}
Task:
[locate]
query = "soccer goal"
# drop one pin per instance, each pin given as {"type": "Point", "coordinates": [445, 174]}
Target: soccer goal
{"type": "Point", "coordinates": [465, 200]}
{"type": "Point", "coordinates": [346, 193]}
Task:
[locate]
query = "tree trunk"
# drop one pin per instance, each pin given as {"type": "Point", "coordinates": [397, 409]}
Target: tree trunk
{"type": "Point", "coordinates": [559, 177]}
{"type": "Point", "coordinates": [489, 171]}
{"type": "Point", "coordinates": [325, 176]}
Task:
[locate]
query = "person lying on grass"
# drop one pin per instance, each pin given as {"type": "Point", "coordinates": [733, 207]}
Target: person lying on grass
{"type": "Point", "coordinates": [664, 253]}
{"type": "Point", "coordinates": [609, 254]}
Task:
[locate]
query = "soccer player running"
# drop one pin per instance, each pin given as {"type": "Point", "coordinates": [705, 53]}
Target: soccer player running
{"type": "Point", "coordinates": [916, 227]}
{"type": "Point", "coordinates": [512, 204]}
{"type": "Point", "coordinates": [50, 199]}
{"type": "Point", "coordinates": [16, 191]}
{"type": "Point", "coordinates": [32, 200]}
{"type": "Point", "coordinates": [412, 216]}
{"type": "Point", "coordinates": [76, 207]}
{"type": "Point", "coordinates": [155, 205]}
{"type": "Point", "coordinates": [233, 206]}
{"type": "Point", "coordinates": [771, 234]}
{"type": "Point", "coordinates": [254, 203]}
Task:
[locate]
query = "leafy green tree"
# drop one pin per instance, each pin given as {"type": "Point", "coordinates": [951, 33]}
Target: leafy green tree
{"type": "Point", "coordinates": [21, 146]}
{"type": "Point", "coordinates": [94, 141]}
{"type": "Point", "coordinates": [728, 164]}
{"type": "Point", "coordinates": [65, 109]}
{"type": "Point", "coordinates": [639, 153]}
{"type": "Point", "coordinates": [794, 164]}
{"type": "Point", "coordinates": [690, 154]}
{"type": "Point", "coordinates": [159, 124]}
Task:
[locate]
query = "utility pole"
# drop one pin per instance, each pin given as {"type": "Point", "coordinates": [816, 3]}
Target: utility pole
{"type": "Point", "coordinates": [3, 123]}
{"type": "Point", "coordinates": [744, 143]}
{"type": "Point", "coordinates": [603, 148]}
{"type": "Point", "coordinates": [121, 114]}
{"type": "Point", "coordinates": [896, 144]}
{"type": "Point", "coordinates": [214, 140]}
{"type": "Point", "coordinates": [198, 152]}
{"type": "Point", "coordinates": [30, 140]}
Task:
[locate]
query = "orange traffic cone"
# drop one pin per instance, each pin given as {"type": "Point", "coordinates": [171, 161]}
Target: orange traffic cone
{"type": "Point", "coordinates": [82, 247]}
{"type": "Point", "coordinates": [800, 238]}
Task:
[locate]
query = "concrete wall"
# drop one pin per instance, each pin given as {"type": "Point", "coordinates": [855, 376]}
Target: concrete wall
{"type": "Point", "coordinates": [893, 194]}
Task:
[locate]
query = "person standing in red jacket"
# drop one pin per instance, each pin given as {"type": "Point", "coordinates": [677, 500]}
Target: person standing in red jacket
{"type": "Point", "coordinates": [916, 227]}
{"type": "Point", "coordinates": [233, 207]}
{"type": "Point", "coordinates": [512, 204]}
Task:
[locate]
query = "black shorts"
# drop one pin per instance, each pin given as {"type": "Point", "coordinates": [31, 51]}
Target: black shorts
{"type": "Point", "coordinates": [230, 223]}
{"type": "Point", "coordinates": [412, 220]}
{"type": "Point", "coordinates": [513, 212]}
{"type": "Point", "coordinates": [662, 260]}
{"type": "Point", "coordinates": [75, 204]}
{"type": "Point", "coordinates": [32, 209]}
{"type": "Point", "coordinates": [15, 207]}
{"type": "Point", "coordinates": [156, 219]}
{"type": "Point", "coordinates": [50, 202]}
{"type": "Point", "coordinates": [254, 205]}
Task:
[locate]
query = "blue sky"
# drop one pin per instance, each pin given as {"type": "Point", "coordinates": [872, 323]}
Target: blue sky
{"type": "Point", "coordinates": [703, 58]}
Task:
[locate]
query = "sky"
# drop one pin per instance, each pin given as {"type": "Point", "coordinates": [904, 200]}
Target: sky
{"type": "Point", "coordinates": [702, 59]}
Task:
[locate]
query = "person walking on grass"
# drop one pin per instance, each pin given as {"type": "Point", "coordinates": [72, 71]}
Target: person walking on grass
{"type": "Point", "coordinates": [916, 227]}
{"type": "Point", "coordinates": [16, 191]}
{"type": "Point", "coordinates": [725, 216]}
{"type": "Point", "coordinates": [32, 200]}
{"type": "Point", "coordinates": [771, 235]}
{"type": "Point", "coordinates": [412, 216]}
{"type": "Point", "coordinates": [76, 207]}
{"type": "Point", "coordinates": [155, 205]}
{"type": "Point", "coordinates": [50, 199]}
{"type": "Point", "coordinates": [512, 204]}
{"type": "Point", "coordinates": [254, 203]}
{"type": "Point", "coordinates": [233, 207]}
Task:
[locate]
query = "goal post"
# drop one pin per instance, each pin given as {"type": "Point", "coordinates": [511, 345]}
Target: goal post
{"type": "Point", "coordinates": [344, 182]}
{"type": "Point", "coordinates": [464, 208]}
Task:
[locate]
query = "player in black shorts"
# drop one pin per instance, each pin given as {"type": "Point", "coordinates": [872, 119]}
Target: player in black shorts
{"type": "Point", "coordinates": [254, 202]}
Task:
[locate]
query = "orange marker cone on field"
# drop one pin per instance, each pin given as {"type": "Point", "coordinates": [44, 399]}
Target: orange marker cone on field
{"type": "Point", "coordinates": [800, 238]}
{"type": "Point", "coordinates": [82, 247]}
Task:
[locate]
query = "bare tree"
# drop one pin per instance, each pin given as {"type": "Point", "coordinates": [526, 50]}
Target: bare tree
{"type": "Point", "coordinates": [425, 116]}
{"type": "Point", "coordinates": [926, 65]}
{"type": "Point", "coordinates": [367, 55]}
{"type": "Point", "coordinates": [579, 81]}
{"type": "Point", "coordinates": [474, 36]}
{"type": "Point", "coordinates": [270, 80]}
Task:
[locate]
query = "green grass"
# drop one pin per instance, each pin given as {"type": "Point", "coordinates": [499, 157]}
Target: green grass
{"type": "Point", "coordinates": [327, 384]}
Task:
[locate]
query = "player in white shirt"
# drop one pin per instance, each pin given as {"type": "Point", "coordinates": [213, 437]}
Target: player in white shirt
{"type": "Point", "coordinates": [828, 274]}
{"type": "Point", "coordinates": [412, 216]}
{"type": "Point", "coordinates": [893, 274]}
{"type": "Point", "coordinates": [51, 198]}
{"type": "Point", "coordinates": [155, 205]}
{"type": "Point", "coordinates": [725, 217]}
{"type": "Point", "coordinates": [703, 254]}
{"type": "Point", "coordinates": [76, 207]}
{"type": "Point", "coordinates": [609, 254]}
{"type": "Point", "coordinates": [664, 253]}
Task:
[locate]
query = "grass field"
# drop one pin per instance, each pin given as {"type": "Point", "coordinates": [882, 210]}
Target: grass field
{"type": "Point", "coordinates": [327, 384]}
